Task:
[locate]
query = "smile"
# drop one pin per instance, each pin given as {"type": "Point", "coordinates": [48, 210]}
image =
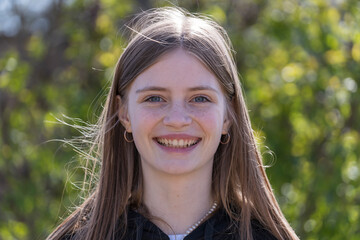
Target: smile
{"type": "Point", "coordinates": [177, 143]}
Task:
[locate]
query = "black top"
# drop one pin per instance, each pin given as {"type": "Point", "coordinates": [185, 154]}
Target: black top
{"type": "Point", "coordinates": [217, 227]}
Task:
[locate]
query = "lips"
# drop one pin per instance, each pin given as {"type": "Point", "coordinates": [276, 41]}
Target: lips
{"type": "Point", "coordinates": [177, 142]}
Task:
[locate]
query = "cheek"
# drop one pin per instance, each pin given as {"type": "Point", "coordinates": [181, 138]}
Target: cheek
{"type": "Point", "coordinates": [211, 119]}
{"type": "Point", "coordinates": [144, 118]}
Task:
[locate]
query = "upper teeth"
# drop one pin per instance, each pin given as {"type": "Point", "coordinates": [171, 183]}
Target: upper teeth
{"type": "Point", "coordinates": [176, 142]}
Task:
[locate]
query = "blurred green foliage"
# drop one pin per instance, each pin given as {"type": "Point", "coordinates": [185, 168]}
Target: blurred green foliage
{"type": "Point", "coordinates": [300, 67]}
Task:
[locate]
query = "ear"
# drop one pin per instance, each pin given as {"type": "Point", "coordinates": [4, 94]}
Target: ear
{"type": "Point", "coordinates": [226, 125]}
{"type": "Point", "coordinates": [123, 114]}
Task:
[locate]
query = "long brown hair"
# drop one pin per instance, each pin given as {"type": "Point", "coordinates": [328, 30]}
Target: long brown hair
{"type": "Point", "coordinates": [240, 183]}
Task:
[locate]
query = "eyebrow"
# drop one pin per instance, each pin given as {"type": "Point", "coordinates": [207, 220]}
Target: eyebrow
{"type": "Point", "coordinates": [202, 87]}
{"type": "Point", "coordinates": [162, 89]}
{"type": "Point", "coordinates": [151, 88]}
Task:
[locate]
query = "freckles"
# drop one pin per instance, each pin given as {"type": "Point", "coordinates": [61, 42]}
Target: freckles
{"type": "Point", "coordinates": [153, 113]}
{"type": "Point", "coordinates": [208, 117]}
{"type": "Point", "coordinates": [205, 112]}
{"type": "Point", "coordinates": [200, 113]}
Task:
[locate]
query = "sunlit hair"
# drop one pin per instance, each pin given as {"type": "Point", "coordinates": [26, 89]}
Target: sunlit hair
{"type": "Point", "coordinates": [240, 183]}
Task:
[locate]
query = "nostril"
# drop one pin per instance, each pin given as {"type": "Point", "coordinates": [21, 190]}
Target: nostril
{"type": "Point", "coordinates": [177, 117]}
{"type": "Point", "coordinates": [177, 120]}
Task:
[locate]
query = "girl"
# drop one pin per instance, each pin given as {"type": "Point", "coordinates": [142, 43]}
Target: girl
{"type": "Point", "coordinates": [178, 155]}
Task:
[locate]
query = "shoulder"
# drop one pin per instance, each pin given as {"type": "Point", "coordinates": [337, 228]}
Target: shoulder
{"type": "Point", "coordinates": [67, 237]}
{"type": "Point", "coordinates": [259, 232]}
{"type": "Point", "coordinates": [224, 224]}
{"type": "Point", "coordinates": [223, 227]}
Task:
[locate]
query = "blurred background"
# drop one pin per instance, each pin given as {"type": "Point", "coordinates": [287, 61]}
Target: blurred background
{"type": "Point", "coordinates": [300, 67]}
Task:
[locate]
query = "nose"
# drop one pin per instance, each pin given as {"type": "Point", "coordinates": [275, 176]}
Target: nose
{"type": "Point", "coordinates": [177, 116]}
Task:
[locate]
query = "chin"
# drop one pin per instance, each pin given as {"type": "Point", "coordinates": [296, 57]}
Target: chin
{"type": "Point", "coordinates": [177, 170]}
{"type": "Point", "coordinates": [176, 167]}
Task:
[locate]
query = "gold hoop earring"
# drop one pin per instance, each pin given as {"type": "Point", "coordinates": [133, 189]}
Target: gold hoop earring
{"type": "Point", "coordinates": [227, 139]}
{"type": "Point", "coordinates": [126, 139]}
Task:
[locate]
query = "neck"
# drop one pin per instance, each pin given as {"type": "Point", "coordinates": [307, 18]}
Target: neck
{"type": "Point", "coordinates": [178, 200]}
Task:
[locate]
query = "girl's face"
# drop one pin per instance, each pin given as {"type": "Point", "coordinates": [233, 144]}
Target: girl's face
{"type": "Point", "coordinates": [176, 111]}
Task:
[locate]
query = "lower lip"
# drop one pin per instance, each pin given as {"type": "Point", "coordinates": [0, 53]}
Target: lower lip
{"type": "Point", "coordinates": [177, 150]}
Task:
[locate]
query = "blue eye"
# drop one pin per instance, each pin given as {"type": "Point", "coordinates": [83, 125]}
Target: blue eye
{"type": "Point", "coordinates": [201, 99]}
{"type": "Point", "coordinates": [154, 99]}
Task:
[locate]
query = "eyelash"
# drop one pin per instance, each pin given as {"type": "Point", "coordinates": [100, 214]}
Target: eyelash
{"type": "Point", "coordinates": [203, 97]}
{"type": "Point", "coordinates": [150, 99]}
{"type": "Point", "coordinates": [160, 99]}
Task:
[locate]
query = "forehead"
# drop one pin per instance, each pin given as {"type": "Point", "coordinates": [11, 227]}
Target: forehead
{"type": "Point", "coordinates": [176, 70]}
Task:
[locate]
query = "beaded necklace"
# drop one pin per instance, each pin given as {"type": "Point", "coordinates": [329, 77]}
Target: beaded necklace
{"type": "Point", "coordinates": [195, 225]}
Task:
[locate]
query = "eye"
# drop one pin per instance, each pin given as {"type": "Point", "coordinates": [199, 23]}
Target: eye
{"type": "Point", "coordinates": [154, 99]}
{"type": "Point", "coordinates": [200, 99]}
